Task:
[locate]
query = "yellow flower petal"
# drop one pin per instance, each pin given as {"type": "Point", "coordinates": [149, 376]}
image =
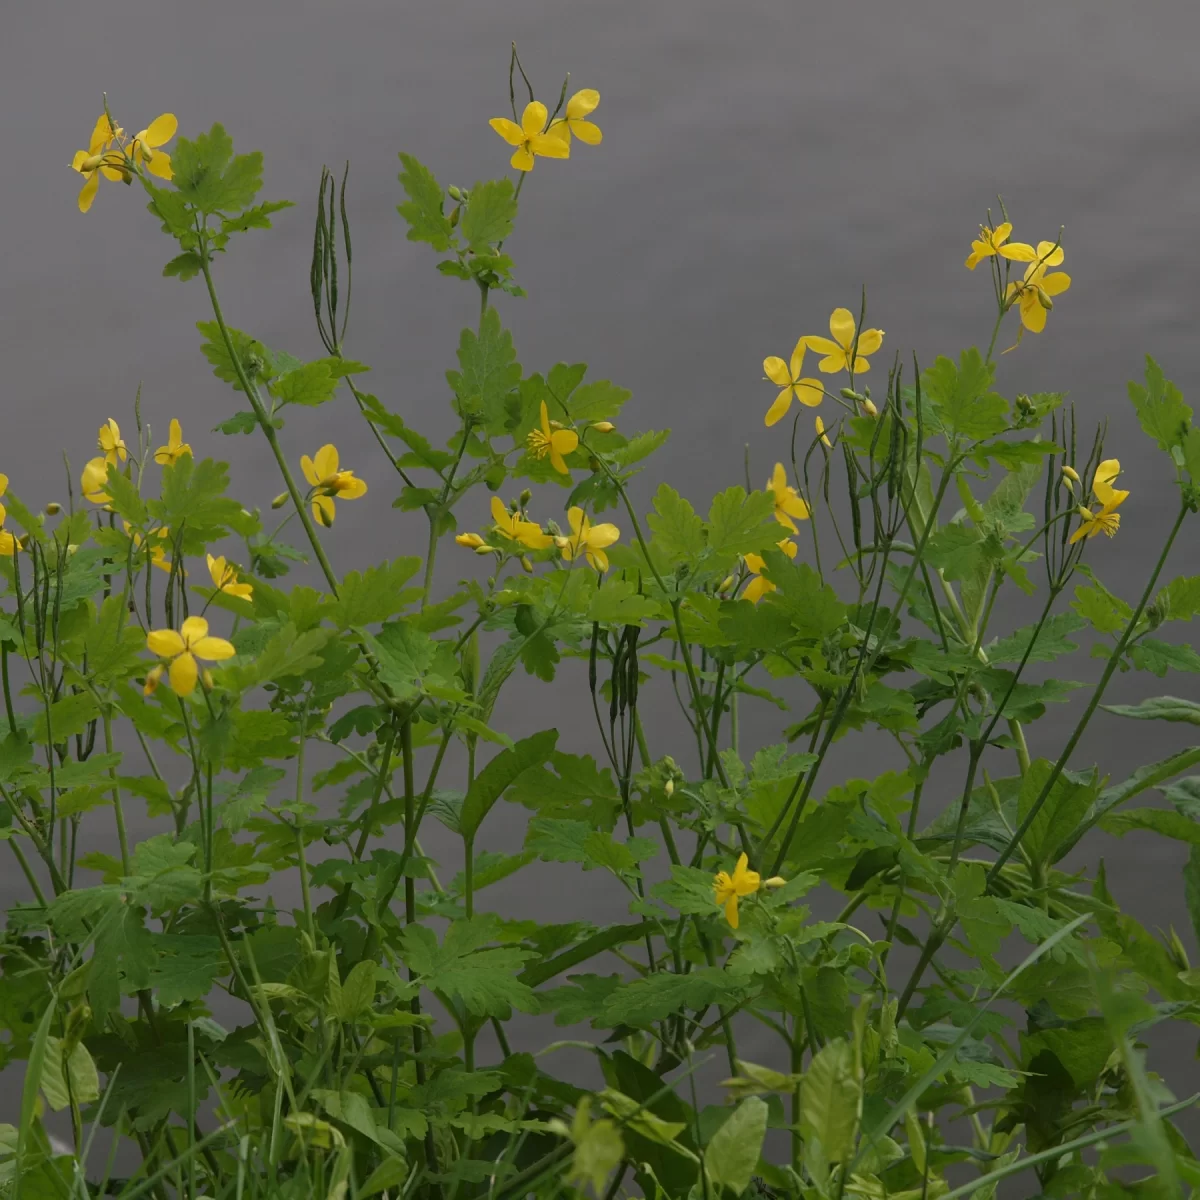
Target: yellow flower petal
{"type": "Point", "coordinates": [841, 327]}
{"type": "Point", "coordinates": [183, 674]}
{"type": "Point", "coordinates": [160, 165]}
{"type": "Point", "coordinates": [522, 159]}
{"type": "Point", "coordinates": [310, 471]}
{"type": "Point", "coordinates": [323, 510]}
{"type": "Point", "coordinates": [779, 408]}
{"type": "Point", "coordinates": [548, 146]}
{"type": "Point", "coordinates": [796, 363]}
{"type": "Point", "coordinates": [1018, 252]}
{"type": "Point", "coordinates": [166, 643]}
{"type": "Point", "coordinates": [822, 345]}
{"type": "Point", "coordinates": [587, 133]}
{"type": "Point", "coordinates": [870, 340]}
{"type": "Point", "coordinates": [510, 131]}
{"type": "Point", "coordinates": [776, 370]}
{"type": "Point", "coordinates": [213, 648]}
{"type": "Point", "coordinates": [88, 192]}
{"type": "Point", "coordinates": [160, 130]}
{"type": "Point", "coordinates": [583, 102]}
{"type": "Point", "coordinates": [564, 440]}
{"type": "Point", "coordinates": [499, 512]}
{"type": "Point", "coordinates": [533, 119]}
{"type": "Point", "coordinates": [810, 392]}
{"type": "Point", "coordinates": [731, 911]}
{"type": "Point", "coordinates": [325, 462]}
{"type": "Point", "coordinates": [193, 629]}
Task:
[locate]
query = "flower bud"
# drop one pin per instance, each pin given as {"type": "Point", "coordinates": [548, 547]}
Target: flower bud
{"type": "Point", "coordinates": [850, 394]}
{"type": "Point", "coordinates": [869, 408]}
{"type": "Point", "coordinates": [776, 881]}
{"type": "Point", "coordinates": [471, 540]}
{"type": "Point", "coordinates": [1070, 473]}
{"type": "Point", "coordinates": [280, 500]}
{"type": "Point", "coordinates": [524, 498]}
{"type": "Point", "coordinates": [669, 788]}
{"type": "Point", "coordinates": [526, 565]}
{"type": "Point", "coordinates": [206, 680]}
{"type": "Point", "coordinates": [454, 217]}
{"type": "Point", "coordinates": [255, 364]}
{"type": "Point", "coordinates": [484, 548]}
{"type": "Point", "coordinates": [153, 678]}
{"type": "Point", "coordinates": [726, 584]}
{"type": "Point", "coordinates": [53, 509]}
{"type": "Point", "coordinates": [593, 463]}
{"type": "Point", "coordinates": [1024, 403]}
{"type": "Point", "coordinates": [455, 192]}
{"type": "Point", "coordinates": [603, 426]}
{"type": "Point", "coordinates": [90, 163]}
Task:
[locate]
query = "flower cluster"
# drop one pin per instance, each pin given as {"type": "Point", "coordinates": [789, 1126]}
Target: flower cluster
{"type": "Point", "coordinates": [115, 156]}
{"type": "Point", "coordinates": [540, 136]}
{"type": "Point", "coordinates": [1034, 293]}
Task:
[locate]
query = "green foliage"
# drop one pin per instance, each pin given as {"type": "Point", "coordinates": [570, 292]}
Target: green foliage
{"type": "Point", "coordinates": [280, 989]}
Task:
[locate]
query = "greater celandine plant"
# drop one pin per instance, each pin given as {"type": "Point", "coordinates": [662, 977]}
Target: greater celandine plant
{"type": "Point", "coordinates": [858, 590]}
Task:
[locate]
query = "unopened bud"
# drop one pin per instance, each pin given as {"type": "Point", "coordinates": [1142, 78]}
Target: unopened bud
{"type": "Point", "coordinates": [255, 365]}
{"type": "Point", "coordinates": [526, 565]}
{"type": "Point", "coordinates": [869, 408]}
{"type": "Point", "coordinates": [726, 584]}
{"type": "Point", "coordinates": [593, 463]}
{"type": "Point", "coordinates": [603, 426]}
{"type": "Point", "coordinates": [850, 394]}
{"type": "Point", "coordinates": [1044, 298]}
{"type": "Point", "coordinates": [669, 788]}
{"type": "Point", "coordinates": [23, 542]}
{"type": "Point", "coordinates": [455, 192]}
{"type": "Point", "coordinates": [454, 217]}
{"type": "Point", "coordinates": [206, 680]}
{"type": "Point", "coordinates": [483, 548]}
{"type": "Point", "coordinates": [280, 500]}
{"type": "Point", "coordinates": [524, 498]}
{"type": "Point", "coordinates": [1070, 473]}
{"type": "Point", "coordinates": [1177, 952]}
{"type": "Point", "coordinates": [53, 509]}
{"type": "Point", "coordinates": [776, 881]}
{"type": "Point", "coordinates": [1024, 403]}
{"type": "Point", "coordinates": [153, 678]}
{"type": "Point", "coordinates": [471, 540]}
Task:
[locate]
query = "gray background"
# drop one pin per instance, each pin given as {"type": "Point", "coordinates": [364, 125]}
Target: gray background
{"type": "Point", "coordinates": [761, 162]}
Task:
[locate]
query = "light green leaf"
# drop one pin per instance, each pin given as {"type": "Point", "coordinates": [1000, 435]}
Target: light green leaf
{"type": "Point", "coordinates": [367, 597]}
{"type": "Point", "coordinates": [1161, 708]}
{"type": "Point", "coordinates": [489, 214]}
{"type": "Point", "coordinates": [962, 398]}
{"type": "Point", "coordinates": [829, 1107]}
{"type": "Point", "coordinates": [1062, 810]}
{"type": "Point", "coordinates": [731, 1156]}
{"type": "Point", "coordinates": [75, 1079]}
{"type": "Point", "coordinates": [489, 373]}
{"type": "Point", "coordinates": [310, 385]}
{"type": "Point", "coordinates": [424, 209]}
{"type": "Point", "coordinates": [678, 531]}
{"type": "Point", "coordinates": [499, 774]}
{"type": "Point", "coordinates": [1160, 408]}
{"type": "Point", "coordinates": [741, 524]}
{"type": "Point", "coordinates": [206, 173]}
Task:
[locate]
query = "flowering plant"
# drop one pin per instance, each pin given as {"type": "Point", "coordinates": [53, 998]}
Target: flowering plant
{"type": "Point", "coordinates": [362, 1042]}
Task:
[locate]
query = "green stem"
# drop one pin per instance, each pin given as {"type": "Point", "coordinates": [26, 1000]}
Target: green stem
{"type": "Point", "coordinates": [118, 810]}
{"type": "Point", "coordinates": [8, 704]}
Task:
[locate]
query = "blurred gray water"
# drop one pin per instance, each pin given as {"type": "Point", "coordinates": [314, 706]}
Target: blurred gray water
{"type": "Point", "coordinates": [761, 162]}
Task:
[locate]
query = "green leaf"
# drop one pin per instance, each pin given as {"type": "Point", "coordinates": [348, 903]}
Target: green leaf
{"type": "Point", "coordinates": [405, 655]}
{"type": "Point", "coordinates": [67, 1078]}
{"type": "Point", "coordinates": [1191, 888]}
{"type": "Point", "coordinates": [194, 503]}
{"type": "Point", "coordinates": [184, 266]}
{"type": "Point", "coordinates": [688, 891]}
{"type": "Point", "coordinates": [741, 524]}
{"type": "Point", "coordinates": [1052, 640]}
{"type": "Point", "coordinates": [112, 643]}
{"type": "Point", "coordinates": [424, 210]}
{"type": "Point", "coordinates": [1156, 820]}
{"type": "Point", "coordinates": [489, 373]}
{"type": "Point", "coordinates": [962, 398]}
{"type": "Point", "coordinates": [370, 596]}
{"type": "Point", "coordinates": [258, 217]}
{"type": "Point", "coordinates": [599, 400]}
{"type": "Point", "coordinates": [599, 1149]}
{"type": "Point", "coordinates": [1069, 800]}
{"type": "Point", "coordinates": [207, 175]}
{"type": "Point", "coordinates": [64, 718]}
{"type": "Point", "coordinates": [499, 774]}
{"type": "Point", "coordinates": [570, 785]}
{"type": "Point", "coordinates": [617, 602]}
{"type": "Point", "coordinates": [678, 531]}
{"type": "Point", "coordinates": [489, 214]}
{"type": "Point", "coordinates": [654, 997]}
{"type": "Point", "coordinates": [247, 349]}
{"type": "Point", "coordinates": [1161, 708]}
{"type": "Point", "coordinates": [731, 1156]}
{"type": "Point", "coordinates": [1179, 600]}
{"type": "Point", "coordinates": [813, 607]}
{"type": "Point", "coordinates": [829, 1107]}
{"type": "Point", "coordinates": [1160, 409]}
{"type": "Point", "coordinates": [310, 385]}
{"type": "Point", "coordinates": [956, 550]}
{"type": "Point", "coordinates": [1158, 657]}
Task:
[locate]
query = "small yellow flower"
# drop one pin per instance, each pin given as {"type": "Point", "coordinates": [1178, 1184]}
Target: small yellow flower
{"type": "Point", "coordinates": [94, 480]}
{"type": "Point", "coordinates": [1107, 520]}
{"type": "Point", "coordinates": [838, 351]}
{"type": "Point", "coordinates": [111, 444]}
{"type": "Point", "coordinates": [1033, 294]}
{"type": "Point", "coordinates": [175, 449]}
{"type": "Point", "coordinates": [225, 578]}
{"type": "Point", "coordinates": [587, 539]}
{"type": "Point", "coordinates": [472, 541]}
{"type": "Point", "coordinates": [788, 501]}
{"type": "Point", "coordinates": [328, 481]}
{"type": "Point", "coordinates": [157, 551]}
{"type": "Point", "coordinates": [516, 528]}
{"type": "Point", "coordinates": [530, 137]}
{"type": "Point", "coordinates": [98, 160]}
{"type": "Point", "coordinates": [819, 426]}
{"type": "Point", "coordinates": [729, 889]}
{"type": "Point", "coordinates": [995, 241]}
{"type": "Point", "coordinates": [183, 648]}
{"type": "Point", "coordinates": [8, 543]}
{"type": "Point", "coordinates": [145, 148]}
{"type": "Point", "coordinates": [579, 107]}
{"type": "Point", "coordinates": [786, 375]}
{"type": "Point", "coordinates": [552, 440]}
{"type": "Point", "coordinates": [759, 586]}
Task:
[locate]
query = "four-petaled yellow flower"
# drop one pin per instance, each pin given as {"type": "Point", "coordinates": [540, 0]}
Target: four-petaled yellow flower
{"type": "Point", "coordinates": [158, 552]}
{"type": "Point", "coordinates": [587, 539]}
{"type": "Point", "coordinates": [788, 501]}
{"type": "Point", "coordinates": [530, 137]}
{"type": "Point", "coordinates": [183, 648]}
{"type": "Point", "coordinates": [838, 351]}
{"type": "Point", "coordinates": [8, 543]}
{"type": "Point", "coordinates": [1107, 520]}
{"type": "Point", "coordinates": [575, 122]}
{"type": "Point", "coordinates": [111, 444]}
{"type": "Point", "coordinates": [175, 449]}
{"type": "Point", "coordinates": [98, 160]}
{"type": "Point", "coordinates": [1034, 293]}
{"type": "Point", "coordinates": [729, 889]}
{"type": "Point", "coordinates": [225, 578]}
{"type": "Point", "coordinates": [145, 148]}
{"type": "Point", "coordinates": [327, 482]}
{"type": "Point", "coordinates": [995, 241]}
{"type": "Point", "coordinates": [759, 586]}
{"type": "Point", "coordinates": [94, 480]}
{"type": "Point", "coordinates": [553, 440]}
{"type": "Point", "coordinates": [514, 527]}
{"type": "Point", "coordinates": [786, 375]}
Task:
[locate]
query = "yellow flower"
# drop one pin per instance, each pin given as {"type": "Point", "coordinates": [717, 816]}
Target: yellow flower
{"type": "Point", "coordinates": [579, 107]}
{"type": "Point", "coordinates": [175, 449]}
{"type": "Point", "coordinates": [111, 444]}
{"type": "Point", "coordinates": [758, 587]}
{"type": "Point", "coordinates": [145, 148]}
{"type": "Point", "coordinates": [530, 137]}
{"type": "Point", "coordinates": [183, 648]}
{"type": "Point", "coordinates": [157, 551]}
{"type": "Point", "coordinates": [992, 241]}
{"type": "Point", "coordinates": [93, 481]}
{"type": "Point", "coordinates": [515, 528]}
{"type": "Point", "coordinates": [8, 543]}
{"type": "Point", "coordinates": [1034, 294]}
{"type": "Point", "coordinates": [819, 425]}
{"type": "Point", "coordinates": [552, 440]}
{"type": "Point", "coordinates": [98, 160]}
{"type": "Point", "coordinates": [787, 376]}
{"type": "Point", "coordinates": [587, 539]}
{"type": "Point", "coordinates": [327, 482]}
{"type": "Point", "coordinates": [788, 502]}
{"type": "Point", "coordinates": [225, 578]}
{"type": "Point", "coordinates": [1107, 520]}
{"type": "Point", "coordinates": [837, 352]}
{"type": "Point", "coordinates": [729, 889]}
